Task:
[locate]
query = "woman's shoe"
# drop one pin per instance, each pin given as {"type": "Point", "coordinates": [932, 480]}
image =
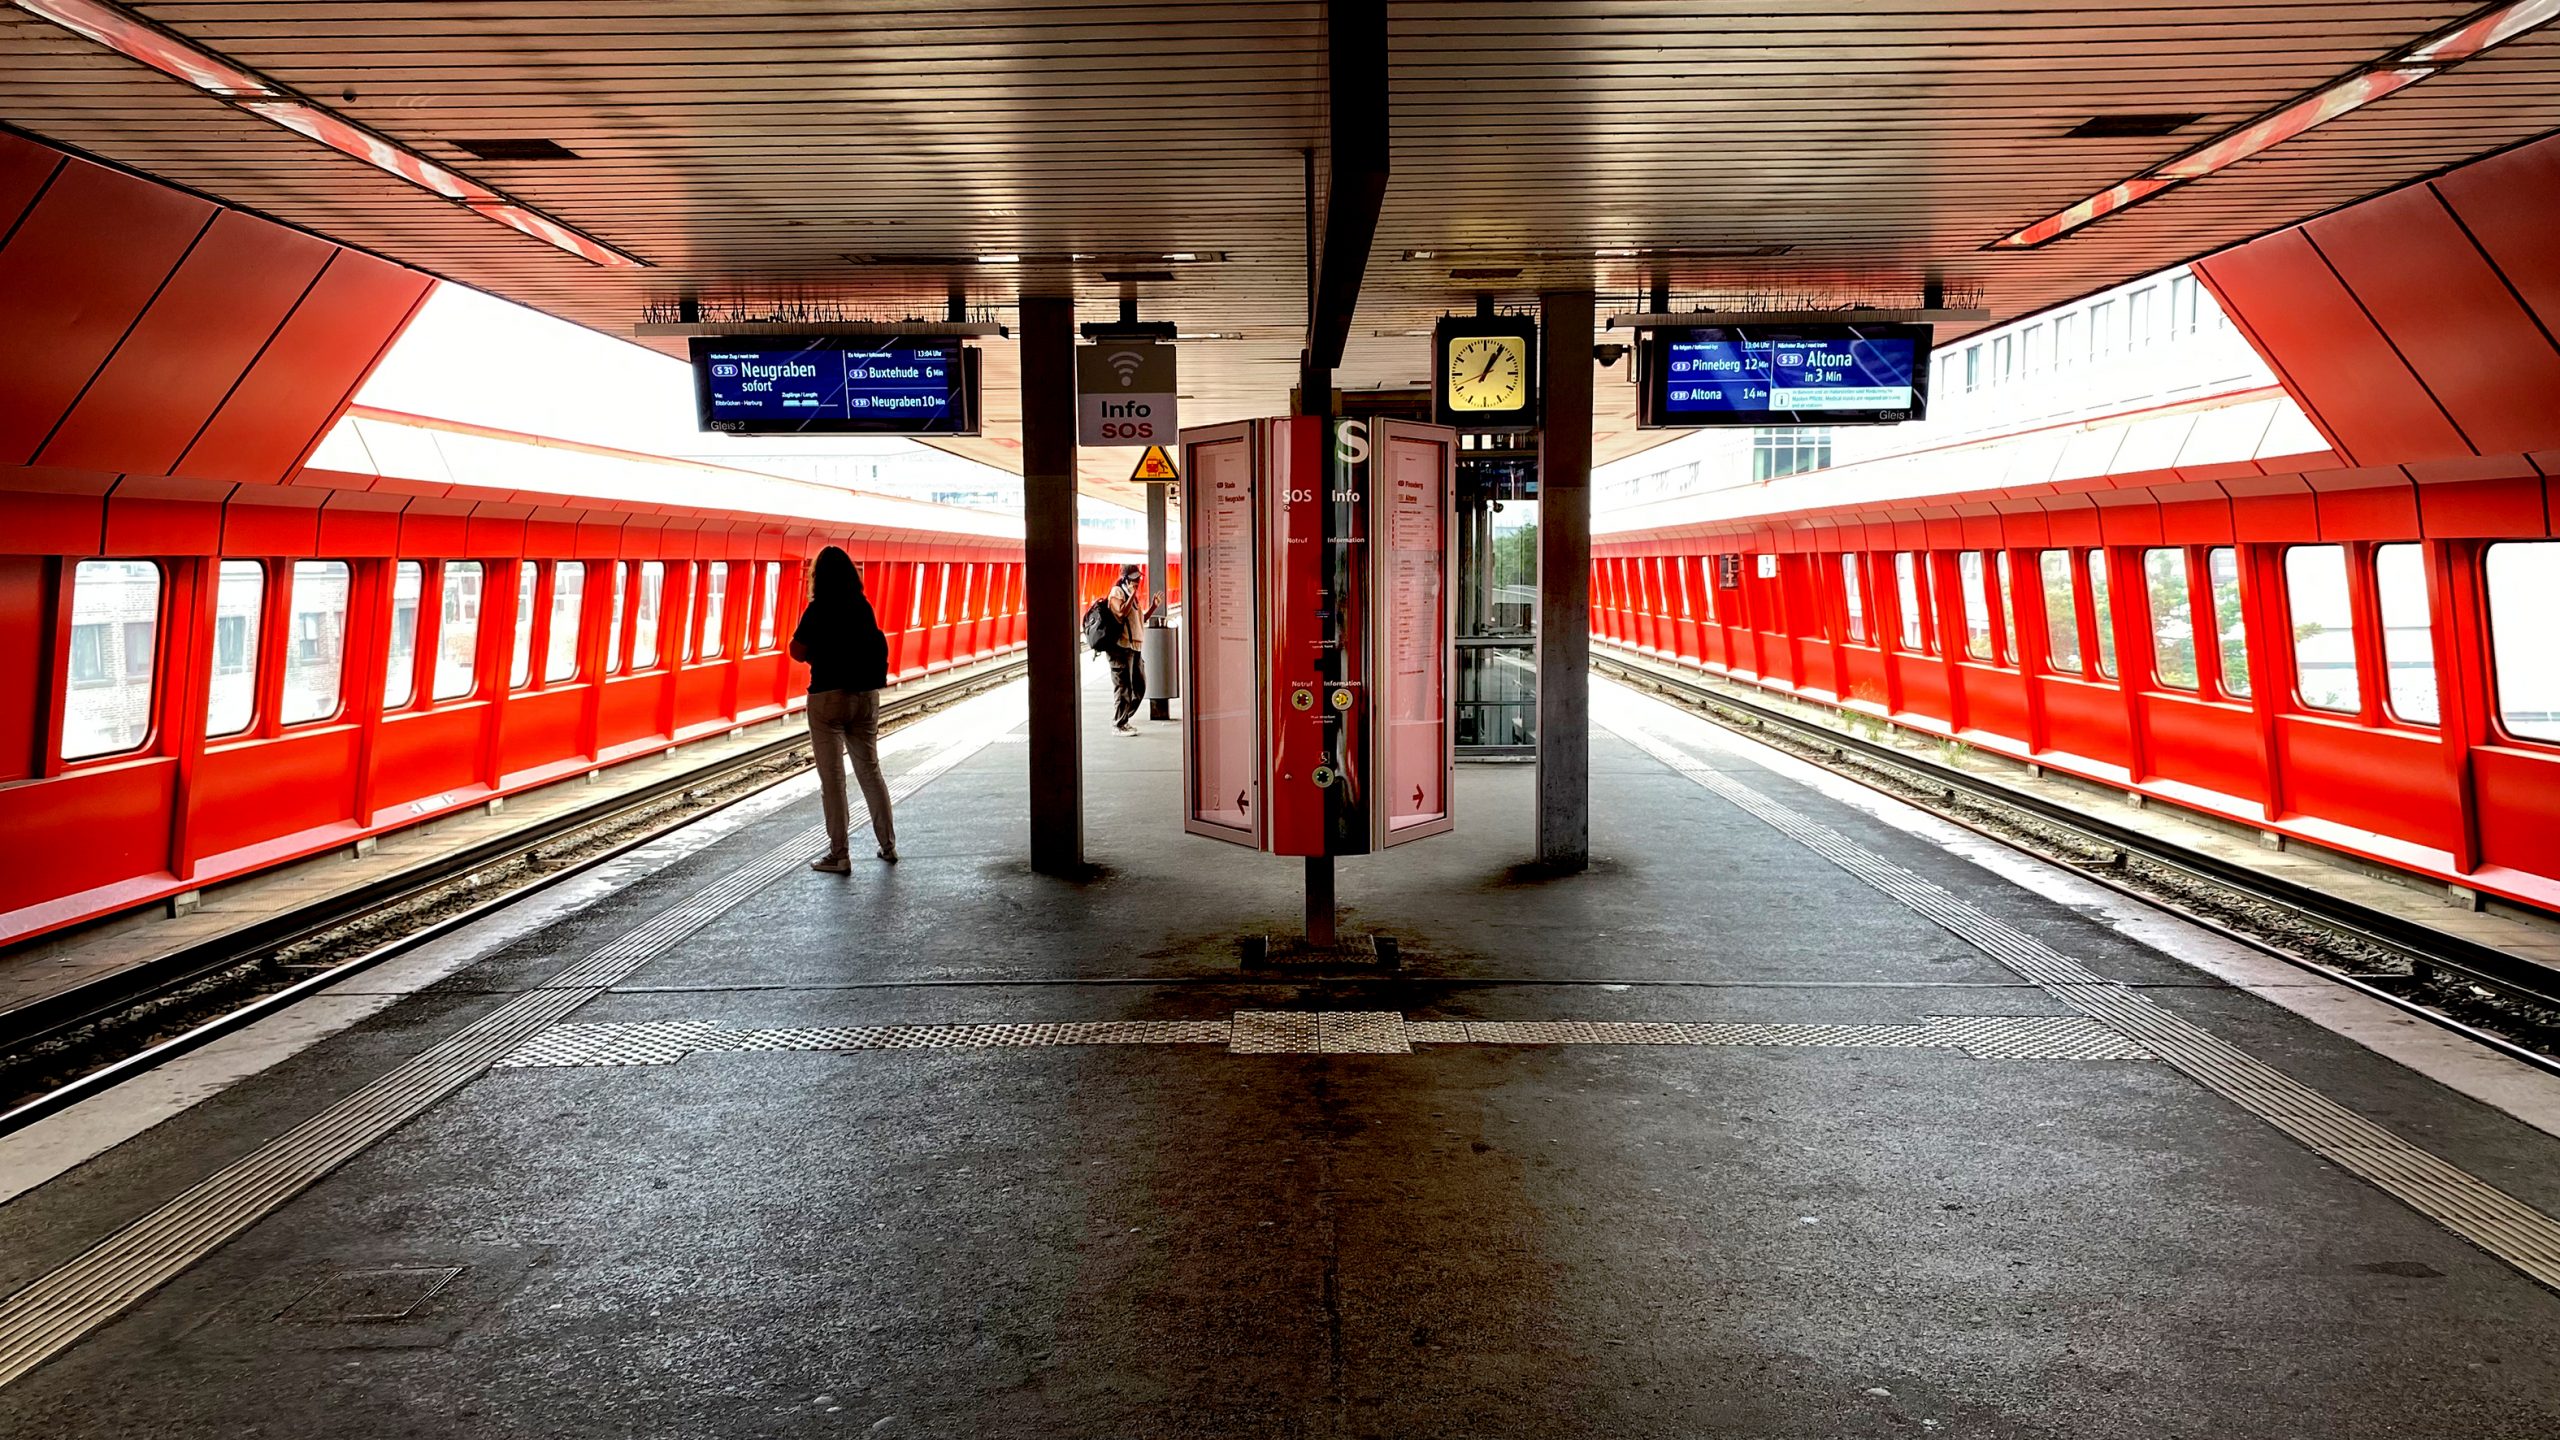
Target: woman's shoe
{"type": "Point", "coordinates": [889, 853]}
{"type": "Point", "coordinates": [832, 865]}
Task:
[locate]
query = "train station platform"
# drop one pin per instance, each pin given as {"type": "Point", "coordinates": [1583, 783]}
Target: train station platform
{"type": "Point", "coordinates": [1795, 1115]}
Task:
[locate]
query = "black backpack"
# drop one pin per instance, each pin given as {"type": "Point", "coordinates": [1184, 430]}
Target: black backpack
{"type": "Point", "coordinates": [1101, 627]}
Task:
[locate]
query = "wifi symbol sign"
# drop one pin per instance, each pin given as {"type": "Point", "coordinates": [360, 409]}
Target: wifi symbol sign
{"type": "Point", "coordinates": [1125, 364]}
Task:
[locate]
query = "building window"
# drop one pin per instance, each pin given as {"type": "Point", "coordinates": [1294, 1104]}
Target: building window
{"type": "Point", "coordinates": [2031, 346]}
{"type": "Point", "coordinates": [231, 699]}
{"type": "Point", "coordinates": [644, 614]}
{"type": "Point", "coordinates": [568, 606]}
{"type": "Point", "coordinates": [715, 607]}
{"type": "Point", "coordinates": [1972, 368]}
{"type": "Point", "coordinates": [2061, 615]}
{"type": "Point", "coordinates": [528, 589]}
{"type": "Point", "coordinates": [2137, 317]}
{"type": "Point", "coordinates": [2173, 623]}
{"type": "Point", "coordinates": [2230, 624]}
{"type": "Point", "coordinates": [1917, 633]}
{"type": "Point", "coordinates": [2183, 290]}
{"type": "Point", "coordinates": [458, 647]}
{"type": "Point", "coordinates": [89, 648]}
{"type": "Point", "coordinates": [2408, 633]}
{"type": "Point", "coordinates": [1779, 450]}
{"type": "Point", "coordinates": [1852, 597]}
{"type": "Point", "coordinates": [315, 666]}
{"type": "Point", "coordinates": [2101, 611]}
{"type": "Point", "coordinates": [2003, 360]}
{"type": "Point", "coordinates": [141, 648]}
{"type": "Point", "coordinates": [108, 709]}
{"type": "Point", "coordinates": [400, 675]}
{"type": "Point", "coordinates": [2066, 339]}
{"type": "Point", "coordinates": [2102, 336]}
{"type": "Point", "coordinates": [1977, 610]}
{"type": "Point", "coordinates": [613, 618]}
{"type": "Point", "coordinates": [2324, 634]}
{"type": "Point", "coordinates": [2524, 665]}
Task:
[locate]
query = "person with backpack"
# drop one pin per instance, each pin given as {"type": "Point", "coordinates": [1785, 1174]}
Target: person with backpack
{"type": "Point", "coordinates": [839, 639]}
{"type": "Point", "coordinates": [1111, 627]}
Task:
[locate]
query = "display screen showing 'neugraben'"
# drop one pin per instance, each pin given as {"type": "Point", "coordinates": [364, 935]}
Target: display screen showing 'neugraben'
{"type": "Point", "coordinates": [826, 384]}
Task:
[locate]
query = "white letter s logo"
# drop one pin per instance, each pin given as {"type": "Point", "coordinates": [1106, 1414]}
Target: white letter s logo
{"type": "Point", "coordinates": [1351, 442]}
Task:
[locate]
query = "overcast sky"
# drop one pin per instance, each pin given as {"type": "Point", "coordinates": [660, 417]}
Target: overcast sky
{"type": "Point", "coordinates": [480, 360]}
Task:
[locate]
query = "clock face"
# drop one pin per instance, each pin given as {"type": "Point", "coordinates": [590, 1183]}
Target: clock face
{"type": "Point", "coordinates": [1487, 373]}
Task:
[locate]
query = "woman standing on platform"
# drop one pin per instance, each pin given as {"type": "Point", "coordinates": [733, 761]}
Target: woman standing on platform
{"type": "Point", "coordinates": [839, 639]}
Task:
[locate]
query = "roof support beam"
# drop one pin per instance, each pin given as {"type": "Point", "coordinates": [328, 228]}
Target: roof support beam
{"type": "Point", "coordinates": [1356, 174]}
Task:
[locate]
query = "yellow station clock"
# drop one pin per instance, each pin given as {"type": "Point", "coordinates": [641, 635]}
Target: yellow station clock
{"type": "Point", "coordinates": [1488, 371]}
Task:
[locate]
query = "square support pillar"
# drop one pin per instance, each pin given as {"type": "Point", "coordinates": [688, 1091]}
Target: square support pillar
{"type": "Point", "coordinates": [1159, 595]}
{"type": "Point", "coordinates": [1056, 751]}
{"type": "Point", "coordinates": [1564, 583]}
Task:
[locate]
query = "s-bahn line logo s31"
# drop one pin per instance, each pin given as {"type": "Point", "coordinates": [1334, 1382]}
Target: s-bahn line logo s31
{"type": "Point", "coordinates": [724, 370]}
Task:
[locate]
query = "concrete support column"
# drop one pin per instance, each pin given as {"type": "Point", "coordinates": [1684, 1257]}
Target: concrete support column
{"type": "Point", "coordinates": [1049, 582]}
{"type": "Point", "coordinates": [1564, 583]}
{"type": "Point", "coordinates": [1159, 593]}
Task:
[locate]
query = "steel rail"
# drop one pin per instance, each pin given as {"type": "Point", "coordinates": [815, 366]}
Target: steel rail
{"type": "Point", "coordinates": [121, 990]}
{"type": "Point", "coordinates": [2422, 945]}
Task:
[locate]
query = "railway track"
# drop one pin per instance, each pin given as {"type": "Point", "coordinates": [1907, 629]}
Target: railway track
{"type": "Point", "coordinates": [68, 1046]}
{"type": "Point", "coordinates": [2504, 1001]}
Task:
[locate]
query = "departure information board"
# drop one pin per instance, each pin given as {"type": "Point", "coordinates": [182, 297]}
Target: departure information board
{"type": "Point", "coordinates": [1792, 375]}
{"type": "Point", "coordinates": [829, 384]}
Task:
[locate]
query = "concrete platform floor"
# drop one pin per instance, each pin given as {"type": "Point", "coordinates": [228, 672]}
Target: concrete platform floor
{"type": "Point", "coordinates": [1758, 1238]}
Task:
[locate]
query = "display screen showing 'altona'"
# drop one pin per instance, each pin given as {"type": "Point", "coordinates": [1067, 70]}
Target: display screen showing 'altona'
{"type": "Point", "coordinates": [1753, 375]}
{"type": "Point", "coordinates": [817, 384]}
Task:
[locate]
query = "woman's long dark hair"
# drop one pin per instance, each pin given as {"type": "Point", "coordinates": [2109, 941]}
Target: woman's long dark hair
{"type": "Point", "coordinates": [835, 582]}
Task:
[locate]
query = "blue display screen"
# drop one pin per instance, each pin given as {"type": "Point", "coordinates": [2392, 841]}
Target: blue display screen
{"type": "Point", "coordinates": [1805, 374]}
{"type": "Point", "coordinates": [1790, 375]}
{"type": "Point", "coordinates": [830, 384]}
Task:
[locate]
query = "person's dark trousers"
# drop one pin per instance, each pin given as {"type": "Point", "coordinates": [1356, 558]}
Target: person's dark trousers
{"type": "Point", "coordinates": [1128, 684]}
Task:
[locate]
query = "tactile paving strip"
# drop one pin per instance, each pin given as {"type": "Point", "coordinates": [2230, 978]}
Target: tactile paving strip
{"type": "Point", "coordinates": [1985, 1037]}
{"type": "Point", "coordinates": [1327, 1032]}
{"type": "Point", "coordinates": [2480, 1213]}
{"type": "Point", "coordinates": [663, 1042]}
{"type": "Point", "coordinates": [56, 1311]}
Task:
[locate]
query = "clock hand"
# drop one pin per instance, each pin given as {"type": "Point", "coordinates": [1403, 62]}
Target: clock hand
{"type": "Point", "coordinates": [1488, 368]}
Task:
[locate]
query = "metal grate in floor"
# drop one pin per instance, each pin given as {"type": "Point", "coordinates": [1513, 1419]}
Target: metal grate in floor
{"type": "Point", "coordinates": [1329, 1032]}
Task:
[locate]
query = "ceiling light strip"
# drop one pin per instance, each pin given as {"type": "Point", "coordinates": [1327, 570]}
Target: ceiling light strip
{"type": "Point", "coordinates": [120, 30]}
{"type": "Point", "coordinates": [2310, 112]}
{"type": "Point", "coordinates": [2462, 42]}
{"type": "Point", "coordinates": [2483, 31]}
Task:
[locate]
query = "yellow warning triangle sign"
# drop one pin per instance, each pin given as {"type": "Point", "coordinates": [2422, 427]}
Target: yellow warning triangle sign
{"type": "Point", "coordinates": [1154, 465]}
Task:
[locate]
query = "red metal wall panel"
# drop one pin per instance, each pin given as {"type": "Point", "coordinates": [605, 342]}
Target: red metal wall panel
{"type": "Point", "coordinates": [150, 516]}
{"type": "Point", "coordinates": [273, 521]}
{"type": "Point", "coordinates": [53, 512]}
{"type": "Point", "coordinates": [189, 348]}
{"type": "Point", "coordinates": [2333, 359]}
{"type": "Point", "coordinates": [25, 168]}
{"type": "Point", "coordinates": [26, 616]}
{"type": "Point", "coordinates": [73, 279]}
{"type": "Point", "coordinates": [2481, 357]}
{"type": "Point", "coordinates": [305, 376]}
{"type": "Point", "coordinates": [2506, 204]}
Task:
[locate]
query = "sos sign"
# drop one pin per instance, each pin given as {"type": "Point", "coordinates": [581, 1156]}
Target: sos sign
{"type": "Point", "coordinates": [1125, 394]}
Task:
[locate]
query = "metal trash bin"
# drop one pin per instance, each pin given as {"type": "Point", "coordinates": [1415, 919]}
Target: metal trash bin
{"type": "Point", "coordinates": [1160, 644]}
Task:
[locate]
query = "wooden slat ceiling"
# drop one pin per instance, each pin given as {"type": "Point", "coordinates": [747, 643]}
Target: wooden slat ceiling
{"type": "Point", "coordinates": [745, 149]}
